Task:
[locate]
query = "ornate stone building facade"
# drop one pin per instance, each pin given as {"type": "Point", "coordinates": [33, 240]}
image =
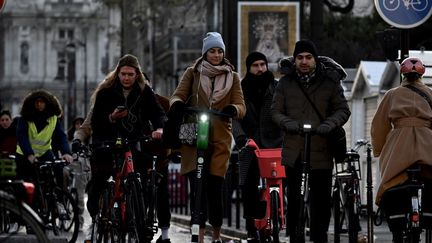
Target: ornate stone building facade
{"type": "Point", "coordinates": [64, 46]}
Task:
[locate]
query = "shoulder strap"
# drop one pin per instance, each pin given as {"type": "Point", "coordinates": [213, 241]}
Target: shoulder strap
{"type": "Point", "coordinates": [310, 101]}
{"type": "Point", "coordinates": [421, 93]}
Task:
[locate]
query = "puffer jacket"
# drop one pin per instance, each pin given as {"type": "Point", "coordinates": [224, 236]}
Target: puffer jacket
{"type": "Point", "coordinates": [291, 105]}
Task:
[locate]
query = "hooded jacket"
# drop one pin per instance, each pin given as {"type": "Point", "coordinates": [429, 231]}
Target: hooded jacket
{"type": "Point", "coordinates": [38, 122]}
{"type": "Point", "coordinates": [290, 105]}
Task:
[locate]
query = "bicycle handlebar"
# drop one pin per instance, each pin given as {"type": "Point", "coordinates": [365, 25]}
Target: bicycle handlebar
{"type": "Point", "coordinates": [210, 111]}
{"type": "Point", "coordinates": [360, 143]}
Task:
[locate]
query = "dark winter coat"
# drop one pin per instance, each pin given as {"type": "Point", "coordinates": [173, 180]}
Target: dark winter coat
{"type": "Point", "coordinates": [144, 113]}
{"type": "Point", "coordinates": [257, 124]}
{"type": "Point", "coordinates": [290, 105]}
{"type": "Point", "coordinates": [8, 139]}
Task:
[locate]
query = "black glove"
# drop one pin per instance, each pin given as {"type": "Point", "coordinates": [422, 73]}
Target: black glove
{"type": "Point", "coordinates": [241, 141]}
{"type": "Point", "coordinates": [323, 129]}
{"type": "Point", "coordinates": [292, 127]}
{"type": "Point", "coordinates": [76, 145]}
{"type": "Point", "coordinates": [177, 109]}
{"type": "Point", "coordinates": [230, 110]}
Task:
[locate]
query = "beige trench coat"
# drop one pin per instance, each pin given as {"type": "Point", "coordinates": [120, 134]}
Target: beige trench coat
{"type": "Point", "coordinates": [220, 137]}
{"type": "Point", "coordinates": [401, 134]}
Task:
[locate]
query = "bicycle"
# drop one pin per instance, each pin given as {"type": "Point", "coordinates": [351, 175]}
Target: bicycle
{"type": "Point", "coordinates": [122, 210]}
{"type": "Point", "coordinates": [14, 210]}
{"type": "Point", "coordinates": [56, 206]}
{"type": "Point", "coordinates": [409, 218]}
{"type": "Point", "coordinates": [346, 194]}
{"type": "Point", "coordinates": [79, 170]}
{"type": "Point", "coordinates": [272, 174]}
{"type": "Point", "coordinates": [416, 5]}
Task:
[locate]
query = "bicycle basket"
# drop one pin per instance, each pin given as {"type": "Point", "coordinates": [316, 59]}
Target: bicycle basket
{"type": "Point", "coordinates": [269, 162]}
{"type": "Point", "coordinates": [350, 164]}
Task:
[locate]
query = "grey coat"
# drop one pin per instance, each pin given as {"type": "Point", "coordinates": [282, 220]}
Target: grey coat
{"type": "Point", "coordinates": [290, 105]}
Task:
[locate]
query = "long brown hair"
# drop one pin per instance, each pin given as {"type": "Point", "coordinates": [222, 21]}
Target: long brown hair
{"type": "Point", "coordinates": [112, 77]}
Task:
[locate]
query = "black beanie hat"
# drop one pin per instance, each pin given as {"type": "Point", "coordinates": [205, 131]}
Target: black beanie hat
{"type": "Point", "coordinates": [255, 56]}
{"type": "Point", "coordinates": [305, 46]}
{"type": "Point", "coordinates": [129, 60]}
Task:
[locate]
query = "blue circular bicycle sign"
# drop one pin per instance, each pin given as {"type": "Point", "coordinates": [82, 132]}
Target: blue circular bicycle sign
{"type": "Point", "coordinates": [404, 14]}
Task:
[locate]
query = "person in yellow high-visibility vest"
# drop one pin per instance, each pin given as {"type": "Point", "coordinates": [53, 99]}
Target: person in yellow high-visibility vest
{"type": "Point", "coordinates": [38, 131]}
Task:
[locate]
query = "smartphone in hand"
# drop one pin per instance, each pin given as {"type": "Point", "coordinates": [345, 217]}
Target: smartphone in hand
{"type": "Point", "coordinates": [121, 107]}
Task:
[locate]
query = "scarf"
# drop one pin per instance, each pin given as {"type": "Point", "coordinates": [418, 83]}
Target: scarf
{"type": "Point", "coordinates": [216, 81]}
{"type": "Point", "coordinates": [306, 78]}
{"type": "Point", "coordinates": [255, 86]}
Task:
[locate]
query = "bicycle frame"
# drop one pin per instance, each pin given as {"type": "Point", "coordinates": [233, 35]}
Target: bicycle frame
{"type": "Point", "coordinates": [272, 174]}
{"type": "Point", "coordinates": [123, 199]}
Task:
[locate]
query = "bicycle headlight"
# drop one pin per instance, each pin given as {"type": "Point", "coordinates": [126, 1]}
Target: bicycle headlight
{"type": "Point", "coordinates": [203, 117]}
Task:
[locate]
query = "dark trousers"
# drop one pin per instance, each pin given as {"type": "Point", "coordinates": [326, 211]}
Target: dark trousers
{"type": "Point", "coordinates": [211, 198]}
{"type": "Point", "coordinates": [320, 185]}
{"type": "Point", "coordinates": [163, 207]}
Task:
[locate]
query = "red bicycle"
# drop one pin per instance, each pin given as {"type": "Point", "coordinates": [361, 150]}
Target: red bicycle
{"type": "Point", "coordinates": [122, 215]}
{"type": "Point", "coordinates": [272, 172]}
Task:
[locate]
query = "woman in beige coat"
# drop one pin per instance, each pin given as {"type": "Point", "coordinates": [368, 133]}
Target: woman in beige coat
{"type": "Point", "coordinates": [210, 83]}
{"type": "Point", "coordinates": [401, 136]}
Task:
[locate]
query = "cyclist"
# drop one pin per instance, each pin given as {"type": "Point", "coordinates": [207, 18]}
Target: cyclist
{"type": "Point", "coordinates": [401, 134]}
{"type": "Point", "coordinates": [210, 83]}
{"type": "Point", "coordinates": [83, 135]}
{"type": "Point", "coordinates": [79, 167]}
{"type": "Point", "coordinates": [38, 130]}
{"type": "Point", "coordinates": [258, 87]}
{"type": "Point", "coordinates": [320, 79]}
{"type": "Point", "coordinates": [124, 86]}
{"type": "Point", "coordinates": [7, 133]}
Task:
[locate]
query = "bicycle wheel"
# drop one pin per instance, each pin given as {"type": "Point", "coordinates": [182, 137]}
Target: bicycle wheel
{"type": "Point", "coordinates": [275, 210]}
{"type": "Point", "coordinates": [135, 213]}
{"type": "Point", "coordinates": [11, 209]}
{"type": "Point", "coordinates": [106, 226]}
{"type": "Point", "coordinates": [66, 215]}
{"type": "Point", "coordinates": [352, 213]}
{"type": "Point", "coordinates": [68, 222]}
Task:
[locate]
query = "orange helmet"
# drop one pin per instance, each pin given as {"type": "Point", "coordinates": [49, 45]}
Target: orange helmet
{"type": "Point", "coordinates": [412, 65]}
